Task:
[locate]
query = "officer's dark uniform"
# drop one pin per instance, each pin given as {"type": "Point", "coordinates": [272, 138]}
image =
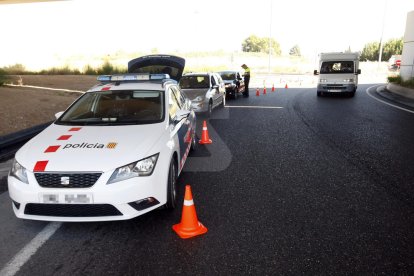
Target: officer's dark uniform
{"type": "Point", "coordinates": [246, 77]}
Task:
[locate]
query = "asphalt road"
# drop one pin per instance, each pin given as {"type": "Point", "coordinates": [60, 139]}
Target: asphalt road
{"type": "Point", "coordinates": [314, 186]}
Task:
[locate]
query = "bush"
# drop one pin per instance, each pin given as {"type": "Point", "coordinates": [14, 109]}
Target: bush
{"type": "Point", "coordinates": [394, 79]}
{"type": "Point", "coordinates": [60, 71]}
{"type": "Point", "coordinates": [107, 69]}
{"type": "Point", "coordinates": [88, 70]}
{"type": "Point", "coordinates": [16, 69]}
{"type": "Point", "coordinates": [399, 81]}
{"type": "Point", "coordinates": [3, 77]}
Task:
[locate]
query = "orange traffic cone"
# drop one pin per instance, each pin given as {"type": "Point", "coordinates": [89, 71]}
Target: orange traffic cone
{"type": "Point", "coordinates": [264, 90]}
{"type": "Point", "coordinates": [273, 87]}
{"type": "Point", "coordinates": [189, 225]}
{"type": "Point", "coordinates": [286, 86]}
{"type": "Point", "coordinates": [205, 139]}
{"type": "Point", "coordinates": [257, 92]}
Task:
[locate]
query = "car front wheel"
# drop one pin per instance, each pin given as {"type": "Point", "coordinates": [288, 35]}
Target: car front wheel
{"type": "Point", "coordinates": [172, 189]}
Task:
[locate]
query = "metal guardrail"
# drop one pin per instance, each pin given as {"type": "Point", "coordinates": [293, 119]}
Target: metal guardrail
{"type": "Point", "coordinates": [10, 143]}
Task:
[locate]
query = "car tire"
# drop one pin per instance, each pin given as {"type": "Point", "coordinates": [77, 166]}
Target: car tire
{"type": "Point", "coordinates": [351, 94]}
{"type": "Point", "coordinates": [318, 93]}
{"type": "Point", "coordinates": [210, 108]}
{"type": "Point", "coordinates": [193, 141]}
{"type": "Point", "coordinates": [172, 187]}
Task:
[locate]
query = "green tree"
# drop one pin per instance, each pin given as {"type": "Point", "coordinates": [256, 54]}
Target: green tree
{"type": "Point", "coordinates": [370, 52]}
{"type": "Point", "coordinates": [261, 44]}
{"type": "Point", "coordinates": [295, 51]}
{"type": "Point", "coordinates": [391, 47]}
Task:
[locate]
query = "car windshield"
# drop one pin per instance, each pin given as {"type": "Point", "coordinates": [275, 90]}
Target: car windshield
{"type": "Point", "coordinates": [228, 75]}
{"type": "Point", "coordinates": [337, 67]}
{"type": "Point", "coordinates": [124, 107]}
{"type": "Point", "coordinates": [194, 82]}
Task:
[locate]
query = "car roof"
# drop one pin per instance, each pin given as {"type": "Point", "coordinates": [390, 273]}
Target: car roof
{"type": "Point", "coordinates": [197, 74]}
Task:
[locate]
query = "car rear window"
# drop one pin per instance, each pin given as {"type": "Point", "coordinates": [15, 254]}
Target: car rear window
{"type": "Point", "coordinates": [194, 82]}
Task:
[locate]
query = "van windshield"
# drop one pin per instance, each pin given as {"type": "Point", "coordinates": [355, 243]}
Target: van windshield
{"type": "Point", "coordinates": [123, 107]}
{"type": "Point", "coordinates": [337, 67]}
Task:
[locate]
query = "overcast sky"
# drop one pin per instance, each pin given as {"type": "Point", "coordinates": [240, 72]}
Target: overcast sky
{"type": "Point", "coordinates": [41, 31]}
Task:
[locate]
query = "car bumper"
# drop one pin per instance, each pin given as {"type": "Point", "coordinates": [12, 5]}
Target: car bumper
{"type": "Point", "coordinates": [102, 202]}
{"type": "Point", "coordinates": [336, 88]}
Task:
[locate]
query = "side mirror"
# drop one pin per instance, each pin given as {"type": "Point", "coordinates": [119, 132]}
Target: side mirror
{"type": "Point", "coordinates": [181, 114]}
{"type": "Point", "coordinates": [359, 71]}
{"type": "Point", "coordinates": [315, 72]}
{"type": "Point", "coordinates": [215, 86]}
{"type": "Point", "coordinates": [57, 115]}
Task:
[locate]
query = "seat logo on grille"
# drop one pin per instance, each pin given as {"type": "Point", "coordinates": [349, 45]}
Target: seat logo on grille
{"type": "Point", "coordinates": [65, 180]}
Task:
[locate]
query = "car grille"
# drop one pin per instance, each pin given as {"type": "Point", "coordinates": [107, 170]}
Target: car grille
{"type": "Point", "coordinates": [71, 210]}
{"type": "Point", "coordinates": [76, 180]}
{"type": "Point", "coordinates": [335, 86]}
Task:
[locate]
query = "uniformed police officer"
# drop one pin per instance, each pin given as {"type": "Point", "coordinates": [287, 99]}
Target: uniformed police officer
{"type": "Point", "coordinates": [246, 77]}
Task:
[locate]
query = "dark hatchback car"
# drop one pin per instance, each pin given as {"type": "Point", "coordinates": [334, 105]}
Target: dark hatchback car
{"type": "Point", "coordinates": [234, 83]}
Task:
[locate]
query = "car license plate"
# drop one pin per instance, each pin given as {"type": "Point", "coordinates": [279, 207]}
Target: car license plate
{"type": "Point", "coordinates": [66, 198]}
{"type": "Point", "coordinates": [334, 90]}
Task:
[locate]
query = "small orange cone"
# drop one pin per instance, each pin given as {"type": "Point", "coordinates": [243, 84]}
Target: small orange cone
{"type": "Point", "coordinates": [273, 87]}
{"type": "Point", "coordinates": [264, 90]}
{"type": "Point", "coordinates": [257, 92]}
{"type": "Point", "coordinates": [286, 86]}
{"type": "Point", "coordinates": [205, 139]}
{"type": "Point", "coordinates": [189, 225]}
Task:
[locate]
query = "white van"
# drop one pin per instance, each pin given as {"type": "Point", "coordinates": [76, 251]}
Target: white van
{"type": "Point", "coordinates": [338, 73]}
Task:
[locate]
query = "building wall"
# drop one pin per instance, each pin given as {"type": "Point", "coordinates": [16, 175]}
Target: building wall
{"type": "Point", "coordinates": [407, 59]}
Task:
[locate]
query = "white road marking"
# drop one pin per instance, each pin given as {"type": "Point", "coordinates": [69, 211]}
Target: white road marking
{"type": "Point", "coordinates": [253, 106]}
{"type": "Point", "coordinates": [30, 249]}
{"type": "Point", "coordinates": [46, 88]}
{"type": "Point", "coordinates": [369, 94]}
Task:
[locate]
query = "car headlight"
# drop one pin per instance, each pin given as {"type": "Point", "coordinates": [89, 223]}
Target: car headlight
{"type": "Point", "coordinates": [198, 99]}
{"type": "Point", "coordinates": [19, 172]}
{"type": "Point", "coordinates": [348, 80]}
{"type": "Point", "coordinates": [323, 80]}
{"type": "Point", "coordinates": [143, 167]}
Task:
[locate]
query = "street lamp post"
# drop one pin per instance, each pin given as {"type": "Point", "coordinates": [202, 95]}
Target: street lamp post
{"type": "Point", "coordinates": [382, 32]}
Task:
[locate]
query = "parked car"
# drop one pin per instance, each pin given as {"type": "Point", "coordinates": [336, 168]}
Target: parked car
{"type": "Point", "coordinates": [394, 63]}
{"type": "Point", "coordinates": [114, 154]}
{"type": "Point", "coordinates": [205, 90]}
{"type": "Point", "coordinates": [234, 83]}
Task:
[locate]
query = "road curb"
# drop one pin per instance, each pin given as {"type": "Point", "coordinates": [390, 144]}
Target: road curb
{"type": "Point", "coordinates": [402, 91]}
{"type": "Point", "coordinates": [383, 92]}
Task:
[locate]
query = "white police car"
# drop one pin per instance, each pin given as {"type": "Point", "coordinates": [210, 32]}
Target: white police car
{"type": "Point", "coordinates": [114, 154]}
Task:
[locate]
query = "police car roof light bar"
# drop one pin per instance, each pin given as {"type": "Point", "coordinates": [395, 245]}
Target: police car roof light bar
{"type": "Point", "coordinates": [132, 77]}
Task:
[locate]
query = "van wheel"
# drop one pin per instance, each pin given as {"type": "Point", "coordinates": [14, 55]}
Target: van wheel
{"type": "Point", "coordinates": [318, 93]}
{"type": "Point", "coordinates": [172, 189]}
{"type": "Point", "coordinates": [351, 94]}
